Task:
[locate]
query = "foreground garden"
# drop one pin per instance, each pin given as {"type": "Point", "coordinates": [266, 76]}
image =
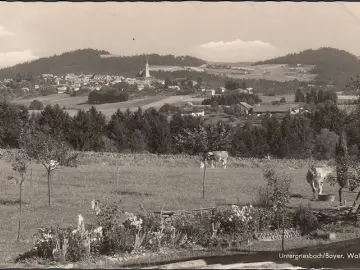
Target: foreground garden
{"type": "Point", "coordinates": [111, 231]}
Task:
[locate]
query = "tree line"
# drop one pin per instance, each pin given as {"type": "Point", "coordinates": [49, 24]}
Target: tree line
{"type": "Point", "coordinates": [232, 98]}
{"type": "Point", "coordinates": [294, 136]}
{"type": "Point", "coordinates": [315, 96]}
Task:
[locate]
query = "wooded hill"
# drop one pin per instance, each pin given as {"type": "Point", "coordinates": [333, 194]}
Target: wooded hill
{"type": "Point", "coordinates": [333, 66]}
{"type": "Point", "coordinates": [89, 61]}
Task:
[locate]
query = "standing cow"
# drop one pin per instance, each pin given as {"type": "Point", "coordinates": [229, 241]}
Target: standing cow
{"type": "Point", "coordinates": [217, 156]}
{"type": "Point", "coordinates": [316, 177]}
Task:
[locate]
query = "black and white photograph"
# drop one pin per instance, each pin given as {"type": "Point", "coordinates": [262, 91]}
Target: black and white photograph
{"type": "Point", "coordinates": [180, 135]}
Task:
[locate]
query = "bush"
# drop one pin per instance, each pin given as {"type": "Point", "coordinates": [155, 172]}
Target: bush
{"type": "Point", "coordinates": [36, 105]}
{"type": "Point", "coordinates": [277, 192]}
{"type": "Point", "coordinates": [234, 226]}
{"type": "Point", "coordinates": [264, 198]}
{"type": "Point", "coordinates": [305, 220]}
{"type": "Point", "coordinates": [107, 95]}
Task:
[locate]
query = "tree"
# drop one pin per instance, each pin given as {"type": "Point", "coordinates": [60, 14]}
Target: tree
{"type": "Point", "coordinates": [342, 164]}
{"type": "Point", "coordinates": [36, 105]}
{"type": "Point", "coordinates": [299, 96]}
{"type": "Point", "coordinates": [157, 130]}
{"type": "Point", "coordinates": [48, 151]}
{"type": "Point", "coordinates": [314, 96]}
{"type": "Point", "coordinates": [12, 119]}
{"type": "Point", "coordinates": [193, 141]}
{"type": "Point", "coordinates": [274, 136]}
{"type": "Point", "coordinates": [54, 121]}
{"type": "Point", "coordinates": [219, 136]}
{"type": "Point", "coordinates": [231, 85]}
{"type": "Point", "coordinates": [325, 144]}
{"type": "Point", "coordinates": [320, 96]}
{"type": "Point", "coordinates": [244, 85]}
{"type": "Point", "coordinates": [20, 164]}
{"type": "Point", "coordinates": [328, 115]}
{"type": "Point", "coordinates": [167, 83]}
{"type": "Point", "coordinates": [87, 130]}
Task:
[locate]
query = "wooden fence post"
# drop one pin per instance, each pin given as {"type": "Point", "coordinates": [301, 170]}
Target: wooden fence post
{"type": "Point", "coordinates": [31, 183]}
{"type": "Point", "coordinates": [203, 187]}
{"type": "Point", "coordinates": [283, 233]}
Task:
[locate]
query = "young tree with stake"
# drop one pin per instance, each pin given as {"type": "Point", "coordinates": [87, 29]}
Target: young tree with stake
{"type": "Point", "coordinates": [342, 164]}
{"type": "Point", "coordinates": [50, 152]}
{"type": "Point", "coordinates": [20, 165]}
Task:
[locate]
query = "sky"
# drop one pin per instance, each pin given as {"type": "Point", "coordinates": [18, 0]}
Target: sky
{"type": "Point", "coordinates": [215, 31]}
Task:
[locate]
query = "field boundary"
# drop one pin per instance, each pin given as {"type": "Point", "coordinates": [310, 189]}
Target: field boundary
{"type": "Point", "coordinates": [174, 160]}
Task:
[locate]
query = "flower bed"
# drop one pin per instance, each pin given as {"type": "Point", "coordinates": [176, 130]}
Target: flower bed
{"type": "Point", "coordinates": [119, 232]}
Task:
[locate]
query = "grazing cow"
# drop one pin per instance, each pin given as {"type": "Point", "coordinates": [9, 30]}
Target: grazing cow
{"type": "Point", "coordinates": [95, 206]}
{"type": "Point", "coordinates": [316, 176]}
{"type": "Point", "coordinates": [217, 156]}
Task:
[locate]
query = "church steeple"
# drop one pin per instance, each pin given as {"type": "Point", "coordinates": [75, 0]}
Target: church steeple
{"type": "Point", "coordinates": [147, 70]}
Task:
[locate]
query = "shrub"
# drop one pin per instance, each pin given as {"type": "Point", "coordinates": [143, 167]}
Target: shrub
{"type": "Point", "coordinates": [234, 226]}
{"type": "Point", "coordinates": [194, 227]}
{"type": "Point", "coordinates": [263, 218]}
{"type": "Point", "coordinates": [305, 220]}
{"type": "Point", "coordinates": [107, 95]}
{"type": "Point", "coordinates": [264, 198]}
{"type": "Point", "coordinates": [277, 192]}
{"type": "Point", "coordinates": [36, 105]}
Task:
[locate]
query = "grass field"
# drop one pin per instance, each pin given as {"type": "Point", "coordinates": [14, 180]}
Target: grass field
{"type": "Point", "coordinates": [279, 72]}
{"type": "Point", "coordinates": [72, 104]}
{"type": "Point", "coordinates": [171, 183]}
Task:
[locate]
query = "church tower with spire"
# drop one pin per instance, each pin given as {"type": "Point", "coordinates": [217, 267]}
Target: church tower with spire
{"type": "Point", "coordinates": [145, 73]}
{"type": "Point", "coordinates": [147, 69]}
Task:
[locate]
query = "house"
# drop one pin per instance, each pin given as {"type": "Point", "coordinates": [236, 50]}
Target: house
{"type": "Point", "coordinates": [198, 113]}
{"type": "Point", "coordinates": [249, 90]}
{"type": "Point", "coordinates": [174, 87]}
{"type": "Point", "coordinates": [282, 109]}
{"type": "Point", "coordinates": [245, 108]}
{"type": "Point", "coordinates": [61, 89]}
{"type": "Point", "coordinates": [210, 92]}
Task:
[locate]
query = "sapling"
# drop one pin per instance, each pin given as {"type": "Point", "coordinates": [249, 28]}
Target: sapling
{"type": "Point", "coordinates": [20, 165]}
{"type": "Point", "coordinates": [50, 152]}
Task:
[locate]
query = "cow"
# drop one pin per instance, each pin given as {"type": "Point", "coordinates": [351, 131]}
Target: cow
{"type": "Point", "coordinates": [217, 156]}
{"type": "Point", "coordinates": [316, 176]}
{"type": "Point", "coordinates": [95, 206]}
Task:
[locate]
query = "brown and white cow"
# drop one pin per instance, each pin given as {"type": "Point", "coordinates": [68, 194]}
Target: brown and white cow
{"type": "Point", "coordinates": [217, 156]}
{"type": "Point", "coordinates": [316, 177]}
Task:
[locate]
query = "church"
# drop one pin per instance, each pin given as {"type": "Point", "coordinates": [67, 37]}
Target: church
{"type": "Point", "coordinates": [145, 73]}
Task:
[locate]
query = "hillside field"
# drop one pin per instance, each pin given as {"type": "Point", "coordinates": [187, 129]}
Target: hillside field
{"type": "Point", "coordinates": [72, 104]}
{"type": "Point", "coordinates": [156, 182]}
{"type": "Point", "coordinates": [279, 72]}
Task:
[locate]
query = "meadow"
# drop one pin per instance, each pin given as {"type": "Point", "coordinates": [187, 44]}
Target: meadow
{"type": "Point", "coordinates": [72, 104]}
{"type": "Point", "coordinates": [156, 182]}
{"type": "Point", "coordinates": [279, 73]}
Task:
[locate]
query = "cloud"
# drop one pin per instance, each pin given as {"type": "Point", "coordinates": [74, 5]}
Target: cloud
{"type": "Point", "coordinates": [4, 33]}
{"type": "Point", "coordinates": [237, 50]}
{"type": "Point", "coordinates": [8, 59]}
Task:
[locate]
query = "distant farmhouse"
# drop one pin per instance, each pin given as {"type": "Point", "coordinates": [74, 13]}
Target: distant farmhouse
{"type": "Point", "coordinates": [246, 108]}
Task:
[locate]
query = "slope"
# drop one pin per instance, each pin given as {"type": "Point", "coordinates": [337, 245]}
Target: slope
{"type": "Point", "coordinates": [333, 66]}
{"type": "Point", "coordinates": [91, 61]}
